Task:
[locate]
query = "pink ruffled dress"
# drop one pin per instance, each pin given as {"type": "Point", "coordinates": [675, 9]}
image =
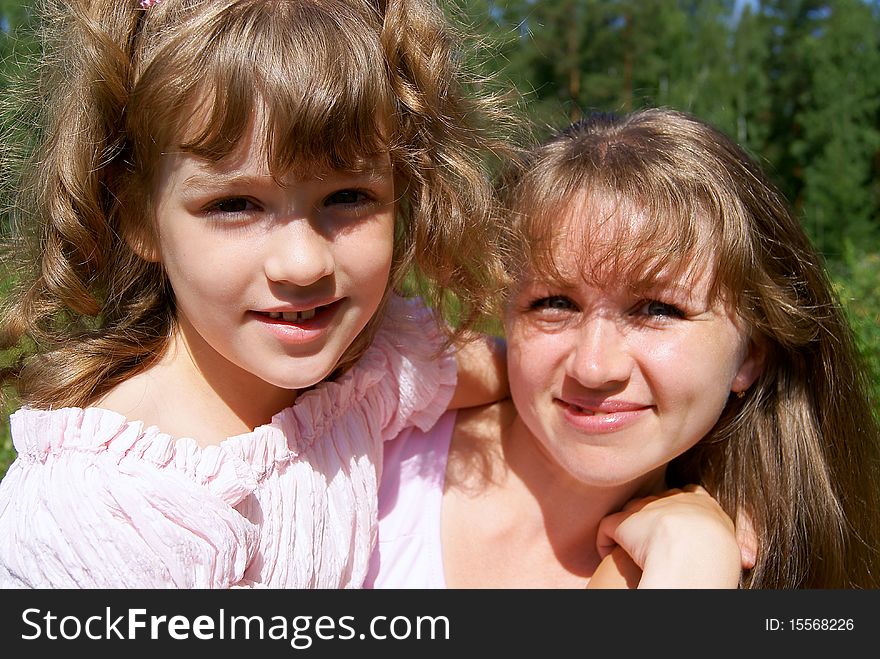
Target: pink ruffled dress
{"type": "Point", "coordinates": [95, 500]}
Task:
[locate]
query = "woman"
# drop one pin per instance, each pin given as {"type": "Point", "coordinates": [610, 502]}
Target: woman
{"type": "Point", "coordinates": [668, 323]}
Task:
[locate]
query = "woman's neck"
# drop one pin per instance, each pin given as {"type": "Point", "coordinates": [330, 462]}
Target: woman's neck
{"type": "Point", "coordinates": [567, 500]}
{"type": "Point", "coordinates": [532, 520]}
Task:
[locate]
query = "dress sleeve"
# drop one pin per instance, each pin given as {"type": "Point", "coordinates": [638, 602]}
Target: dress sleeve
{"type": "Point", "coordinates": [86, 516]}
{"type": "Point", "coordinates": [419, 369]}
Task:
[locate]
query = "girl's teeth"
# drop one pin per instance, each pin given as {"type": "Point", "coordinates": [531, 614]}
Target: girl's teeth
{"type": "Point", "coordinates": [293, 316]}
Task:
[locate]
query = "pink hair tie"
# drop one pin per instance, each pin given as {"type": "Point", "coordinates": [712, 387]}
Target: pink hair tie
{"type": "Point", "coordinates": [146, 4]}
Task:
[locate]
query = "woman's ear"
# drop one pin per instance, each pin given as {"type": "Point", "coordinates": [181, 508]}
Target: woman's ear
{"type": "Point", "coordinates": [752, 366]}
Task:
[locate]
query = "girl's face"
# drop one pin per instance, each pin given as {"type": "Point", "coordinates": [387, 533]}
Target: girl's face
{"type": "Point", "coordinates": [616, 380]}
{"type": "Point", "coordinates": [272, 280]}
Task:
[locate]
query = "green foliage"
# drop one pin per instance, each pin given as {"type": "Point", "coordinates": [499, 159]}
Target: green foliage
{"type": "Point", "coordinates": [839, 136]}
{"type": "Point", "coordinates": [7, 453]}
{"type": "Point", "coordinates": [858, 284]}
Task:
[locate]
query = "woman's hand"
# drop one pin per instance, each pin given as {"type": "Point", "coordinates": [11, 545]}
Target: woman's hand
{"type": "Point", "coordinates": [679, 539]}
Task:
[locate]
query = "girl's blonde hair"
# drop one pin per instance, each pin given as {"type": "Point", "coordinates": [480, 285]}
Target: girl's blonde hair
{"type": "Point", "coordinates": [800, 453]}
{"type": "Point", "coordinates": [336, 81]}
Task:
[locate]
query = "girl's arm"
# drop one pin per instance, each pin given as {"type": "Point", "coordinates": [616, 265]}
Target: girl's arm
{"type": "Point", "coordinates": [482, 372]}
{"type": "Point", "coordinates": [681, 539]}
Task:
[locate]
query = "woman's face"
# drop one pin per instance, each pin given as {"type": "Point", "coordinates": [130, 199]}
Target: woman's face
{"type": "Point", "coordinates": [615, 379]}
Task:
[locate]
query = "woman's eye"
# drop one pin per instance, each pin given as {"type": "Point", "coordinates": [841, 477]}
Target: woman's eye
{"type": "Point", "coordinates": [554, 302]}
{"type": "Point", "coordinates": [232, 205]}
{"type": "Point", "coordinates": [655, 309]}
{"type": "Point", "coordinates": [347, 197]}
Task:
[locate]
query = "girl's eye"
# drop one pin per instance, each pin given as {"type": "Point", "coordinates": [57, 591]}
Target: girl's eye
{"type": "Point", "coordinates": [552, 302]}
{"type": "Point", "coordinates": [655, 309]}
{"type": "Point", "coordinates": [232, 205]}
{"type": "Point", "coordinates": [347, 197]}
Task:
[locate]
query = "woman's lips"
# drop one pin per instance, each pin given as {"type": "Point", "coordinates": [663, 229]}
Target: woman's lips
{"type": "Point", "coordinates": [605, 417]}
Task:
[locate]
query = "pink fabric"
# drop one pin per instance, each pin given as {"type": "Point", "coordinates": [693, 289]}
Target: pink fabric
{"type": "Point", "coordinates": [408, 554]}
{"type": "Point", "coordinates": [95, 500]}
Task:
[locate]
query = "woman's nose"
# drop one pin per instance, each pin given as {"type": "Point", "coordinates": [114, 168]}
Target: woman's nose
{"type": "Point", "coordinates": [601, 356]}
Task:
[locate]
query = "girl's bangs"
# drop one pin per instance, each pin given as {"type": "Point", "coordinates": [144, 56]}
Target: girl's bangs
{"type": "Point", "coordinates": [313, 73]}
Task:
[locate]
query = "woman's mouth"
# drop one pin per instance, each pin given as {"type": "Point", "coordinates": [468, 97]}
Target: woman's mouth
{"type": "Point", "coordinates": [605, 417]}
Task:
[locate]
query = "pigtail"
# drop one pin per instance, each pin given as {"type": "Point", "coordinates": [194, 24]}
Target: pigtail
{"type": "Point", "coordinates": [86, 309]}
{"type": "Point", "coordinates": [453, 134]}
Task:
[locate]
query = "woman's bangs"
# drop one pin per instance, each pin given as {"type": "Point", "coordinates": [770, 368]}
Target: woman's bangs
{"type": "Point", "coordinates": [613, 238]}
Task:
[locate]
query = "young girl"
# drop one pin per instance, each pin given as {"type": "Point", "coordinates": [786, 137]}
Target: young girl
{"type": "Point", "coordinates": [668, 323]}
{"type": "Point", "coordinates": [225, 194]}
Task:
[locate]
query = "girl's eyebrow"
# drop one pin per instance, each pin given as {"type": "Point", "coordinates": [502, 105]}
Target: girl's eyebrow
{"type": "Point", "coordinates": [214, 179]}
{"type": "Point", "coordinates": [208, 176]}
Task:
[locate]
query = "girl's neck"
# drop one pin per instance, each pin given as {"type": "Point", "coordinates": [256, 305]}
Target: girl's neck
{"type": "Point", "coordinates": [205, 399]}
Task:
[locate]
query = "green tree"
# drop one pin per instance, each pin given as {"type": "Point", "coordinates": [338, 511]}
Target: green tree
{"type": "Point", "coordinates": [750, 82]}
{"type": "Point", "coordinates": [15, 42]}
{"type": "Point", "coordinates": [857, 285]}
{"type": "Point", "coordinates": [682, 56]}
{"type": "Point", "coordinates": [788, 24]}
{"type": "Point", "coordinates": [839, 137]}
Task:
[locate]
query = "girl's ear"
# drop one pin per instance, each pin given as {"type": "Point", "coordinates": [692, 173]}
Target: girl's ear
{"type": "Point", "coordinates": [142, 241]}
{"type": "Point", "coordinates": [136, 226]}
{"type": "Point", "coordinates": [751, 368]}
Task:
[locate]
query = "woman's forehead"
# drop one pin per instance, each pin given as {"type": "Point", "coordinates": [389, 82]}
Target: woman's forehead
{"type": "Point", "coordinates": [608, 240]}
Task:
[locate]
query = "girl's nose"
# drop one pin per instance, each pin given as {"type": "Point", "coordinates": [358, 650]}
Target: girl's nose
{"type": "Point", "coordinates": [299, 255]}
{"type": "Point", "coordinates": [601, 357]}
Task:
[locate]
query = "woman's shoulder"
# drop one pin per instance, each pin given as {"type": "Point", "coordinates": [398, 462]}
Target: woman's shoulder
{"type": "Point", "coordinates": [485, 424]}
{"type": "Point", "coordinates": [475, 452]}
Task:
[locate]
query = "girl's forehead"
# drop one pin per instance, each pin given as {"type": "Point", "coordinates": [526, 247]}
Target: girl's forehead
{"type": "Point", "coordinates": [260, 144]}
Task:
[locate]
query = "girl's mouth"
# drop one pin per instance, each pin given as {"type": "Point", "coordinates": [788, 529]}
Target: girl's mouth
{"type": "Point", "coordinates": [303, 326]}
{"type": "Point", "coordinates": [581, 410]}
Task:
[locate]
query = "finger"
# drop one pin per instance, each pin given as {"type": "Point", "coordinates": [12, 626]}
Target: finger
{"type": "Point", "coordinates": [746, 538]}
{"type": "Point", "coordinates": [634, 505]}
{"type": "Point", "coordinates": [617, 570]}
{"type": "Point", "coordinates": [698, 489]}
{"type": "Point", "coordinates": [606, 533]}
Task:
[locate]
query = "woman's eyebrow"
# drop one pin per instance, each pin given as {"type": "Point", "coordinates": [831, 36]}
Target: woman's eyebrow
{"type": "Point", "coordinates": [683, 286]}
